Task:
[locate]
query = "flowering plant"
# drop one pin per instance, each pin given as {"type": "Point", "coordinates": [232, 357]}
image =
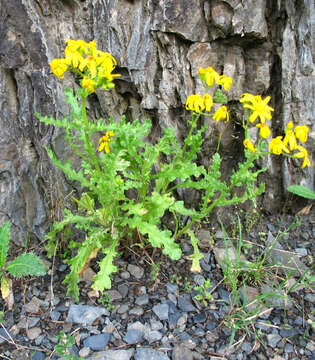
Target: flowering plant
{"type": "Point", "coordinates": [122, 163]}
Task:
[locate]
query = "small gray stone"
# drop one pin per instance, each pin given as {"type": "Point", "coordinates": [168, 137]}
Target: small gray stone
{"type": "Point", "coordinates": [161, 311]}
{"type": "Point", "coordinates": [125, 275]}
{"type": "Point", "coordinates": [113, 355]}
{"type": "Point", "coordinates": [123, 308]}
{"type": "Point", "coordinates": [38, 355]}
{"type": "Point", "coordinates": [310, 297]}
{"type": "Point", "coordinates": [114, 295]}
{"type": "Point", "coordinates": [273, 339]}
{"type": "Point", "coordinates": [123, 290]}
{"type": "Point", "coordinates": [31, 322]}
{"type": "Point", "coordinates": [181, 352]}
{"type": "Point", "coordinates": [135, 271]}
{"type": "Point", "coordinates": [55, 315]}
{"type": "Point", "coordinates": [171, 288]}
{"type": "Point", "coordinates": [138, 311]}
{"type": "Point", "coordinates": [156, 325]}
{"type": "Point", "coordinates": [133, 336]}
{"type": "Point", "coordinates": [150, 354]}
{"type": "Point", "coordinates": [153, 336]}
{"type": "Point", "coordinates": [199, 279]}
{"type": "Point", "coordinates": [85, 314]}
{"type": "Point", "coordinates": [142, 300]}
{"type": "Point", "coordinates": [185, 305]}
{"type": "Point", "coordinates": [301, 251]}
{"type": "Point", "coordinates": [97, 342]}
{"type": "Point", "coordinates": [84, 352]}
{"type": "Point", "coordinates": [246, 346]}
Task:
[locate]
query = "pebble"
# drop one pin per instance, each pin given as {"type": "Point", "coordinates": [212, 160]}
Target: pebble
{"type": "Point", "coordinates": [181, 352]}
{"type": "Point", "coordinates": [142, 300]}
{"type": "Point", "coordinates": [85, 314]}
{"type": "Point", "coordinates": [138, 311]}
{"type": "Point", "coordinates": [171, 288]}
{"type": "Point", "coordinates": [301, 251]}
{"type": "Point", "coordinates": [33, 333]}
{"type": "Point", "coordinates": [161, 311]}
{"type": "Point", "coordinates": [123, 308]}
{"type": "Point", "coordinates": [125, 275]}
{"type": "Point", "coordinates": [114, 295]}
{"type": "Point", "coordinates": [123, 290]}
{"type": "Point", "coordinates": [185, 305]}
{"type": "Point", "coordinates": [273, 339]}
{"type": "Point", "coordinates": [4, 335]}
{"type": "Point", "coordinates": [135, 271]}
{"type": "Point", "coordinates": [150, 354]}
{"type": "Point", "coordinates": [310, 297]}
{"type": "Point", "coordinates": [38, 355]}
{"type": "Point", "coordinates": [97, 342]}
{"type": "Point", "coordinates": [113, 355]}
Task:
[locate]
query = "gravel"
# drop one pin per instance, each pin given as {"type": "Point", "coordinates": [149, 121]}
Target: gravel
{"type": "Point", "coordinates": [161, 320]}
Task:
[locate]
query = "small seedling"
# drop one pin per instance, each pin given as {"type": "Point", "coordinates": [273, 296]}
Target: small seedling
{"type": "Point", "coordinates": [25, 264]}
{"type": "Point", "coordinates": [105, 299]}
{"type": "Point", "coordinates": [63, 348]}
{"type": "Point", "coordinates": [204, 294]}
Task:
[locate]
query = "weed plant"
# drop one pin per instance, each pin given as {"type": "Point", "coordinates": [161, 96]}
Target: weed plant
{"type": "Point", "coordinates": [124, 162]}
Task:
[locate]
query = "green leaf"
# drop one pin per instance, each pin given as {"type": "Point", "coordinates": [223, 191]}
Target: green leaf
{"type": "Point", "coordinates": [196, 256]}
{"type": "Point", "coordinates": [4, 242]}
{"type": "Point", "coordinates": [26, 264]}
{"type": "Point", "coordinates": [102, 279]}
{"type": "Point", "coordinates": [302, 191]}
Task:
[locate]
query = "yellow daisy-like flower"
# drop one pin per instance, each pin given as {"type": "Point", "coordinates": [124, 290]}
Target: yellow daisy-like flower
{"type": "Point", "coordinates": [72, 54]}
{"type": "Point", "coordinates": [290, 139]}
{"type": "Point", "coordinates": [88, 84]}
{"type": "Point", "coordinates": [195, 103]}
{"type": "Point", "coordinates": [249, 145]}
{"type": "Point", "coordinates": [59, 67]}
{"type": "Point", "coordinates": [90, 63]}
{"type": "Point", "coordinates": [301, 132]}
{"type": "Point", "coordinates": [276, 146]}
{"type": "Point", "coordinates": [264, 131]}
{"type": "Point", "coordinates": [259, 107]}
{"type": "Point", "coordinates": [225, 81]}
{"type": "Point", "coordinates": [208, 102]}
{"type": "Point", "coordinates": [302, 154]}
{"type": "Point", "coordinates": [209, 75]}
{"type": "Point", "coordinates": [221, 113]}
{"type": "Point", "coordinates": [105, 140]}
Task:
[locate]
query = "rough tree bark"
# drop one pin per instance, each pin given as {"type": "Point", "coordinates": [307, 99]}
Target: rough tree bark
{"type": "Point", "coordinates": [267, 46]}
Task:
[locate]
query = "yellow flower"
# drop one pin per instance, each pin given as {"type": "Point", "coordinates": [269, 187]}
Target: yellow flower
{"type": "Point", "coordinates": [264, 131]}
{"type": "Point", "coordinates": [207, 102]}
{"type": "Point", "coordinates": [209, 75]}
{"type": "Point", "coordinates": [258, 106]}
{"type": "Point", "coordinates": [88, 84]}
{"type": "Point", "coordinates": [289, 126]}
{"type": "Point", "coordinates": [221, 113]}
{"type": "Point", "coordinates": [249, 145]}
{"type": "Point", "coordinates": [105, 140]}
{"type": "Point", "coordinates": [225, 81]}
{"type": "Point", "coordinates": [90, 63]}
{"type": "Point", "coordinates": [302, 154]}
{"type": "Point", "coordinates": [59, 67]}
{"type": "Point", "coordinates": [301, 132]}
{"type": "Point", "coordinates": [276, 146]}
{"type": "Point", "coordinates": [195, 103]}
{"type": "Point", "coordinates": [290, 139]}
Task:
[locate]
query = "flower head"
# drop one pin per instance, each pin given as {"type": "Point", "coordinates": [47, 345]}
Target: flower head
{"type": "Point", "coordinates": [302, 154]}
{"type": "Point", "coordinates": [276, 146]}
{"type": "Point", "coordinates": [209, 75]}
{"type": "Point", "coordinates": [264, 131]}
{"type": "Point", "coordinates": [259, 107]}
{"type": "Point", "coordinates": [59, 67]}
{"type": "Point", "coordinates": [221, 113]}
{"type": "Point", "coordinates": [249, 145]}
{"type": "Point", "coordinates": [301, 132]}
{"type": "Point", "coordinates": [195, 103]}
{"type": "Point", "coordinates": [225, 81]}
{"type": "Point", "coordinates": [207, 102]}
{"type": "Point", "coordinates": [290, 139]}
{"type": "Point", "coordinates": [88, 84]}
{"type": "Point", "coordinates": [105, 140]}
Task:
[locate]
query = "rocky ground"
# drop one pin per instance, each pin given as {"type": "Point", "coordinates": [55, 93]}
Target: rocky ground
{"type": "Point", "coordinates": [151, 313]}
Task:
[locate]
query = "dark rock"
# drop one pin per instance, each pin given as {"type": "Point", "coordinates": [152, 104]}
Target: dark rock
{"type": "Point", "coordinates": [38, 355]}
{"type": "Point", "coordinates": [97, 342]}
{"type": "Point", "coordinates": [84, 314]}
{"type": "Point", "coordinates": [161, 311]}
{"type": "Point", "coordinates": [185, 305]}
{"type": "Point", "coordinates": [200, 318]}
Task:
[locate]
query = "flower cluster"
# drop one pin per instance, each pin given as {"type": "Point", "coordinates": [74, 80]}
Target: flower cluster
{"type": "Point", "coordinates": [105, 140]}
{"type": "Point", "coordinates": [203, 104]}
{"type": "Point", "coordinates": [94, 66]}
{"type": "Point", "coordinates": [259, 108]}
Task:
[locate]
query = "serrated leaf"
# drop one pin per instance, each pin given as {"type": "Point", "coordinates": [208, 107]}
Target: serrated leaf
{"type": "Point", "coordinates": [161, 239]}
{"type": "Point", "coordinates": [26, 264]}
{"type": "Point", "coordinates": [302, 191]}
{"type": "Point", "coordinates": [102, 279]}
{"type": "Point", "coordinates": [4, 242]}
{"type": "Point", "coordinates": [196, 256]}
